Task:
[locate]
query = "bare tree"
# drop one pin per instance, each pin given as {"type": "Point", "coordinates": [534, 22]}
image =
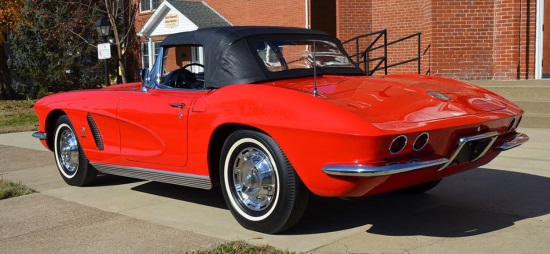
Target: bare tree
{"type": "Point", "coordinates": [121, 14]}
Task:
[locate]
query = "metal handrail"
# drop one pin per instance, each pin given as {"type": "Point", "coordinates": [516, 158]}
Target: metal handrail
{"type": "Point", "coordinates": [365, 54]}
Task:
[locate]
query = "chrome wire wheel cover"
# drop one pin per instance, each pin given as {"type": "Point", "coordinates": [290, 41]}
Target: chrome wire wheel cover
{"type": "Point", "coordinates": [254, 179]}
{"type": "Point", "coordinates": [68, 151]}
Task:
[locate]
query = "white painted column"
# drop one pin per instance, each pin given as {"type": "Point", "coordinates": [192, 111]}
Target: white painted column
{"type": "Point", "coordinates": [151, 53]}
{"type": "Point", "coordinates": [539, 39]}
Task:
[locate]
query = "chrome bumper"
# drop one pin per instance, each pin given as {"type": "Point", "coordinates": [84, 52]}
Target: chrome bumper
{"type": "Point", "coordinates": [518, 140]}
{"type": "Point", "coordinates": [361, 170]}
{"type": "Point", "coordinates": [40, 135]}
{"type": "Point", "coordinates": [392, 169]}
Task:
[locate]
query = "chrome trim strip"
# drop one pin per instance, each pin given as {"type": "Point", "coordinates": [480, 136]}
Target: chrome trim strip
{"type": "Point", "coordinates": [463, 141]}
{"type": "Point", "coordinates": [189, 180]}
{"type": "Point", "coordinates": [518, 140]}
{"type": "Point", "coordinates": [40, 135]}
{"type": "Point", "coordinates": [362, 170]}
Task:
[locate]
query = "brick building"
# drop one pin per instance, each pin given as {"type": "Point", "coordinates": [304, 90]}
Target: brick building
{"type": "Point", "coordinates": [463, 39]}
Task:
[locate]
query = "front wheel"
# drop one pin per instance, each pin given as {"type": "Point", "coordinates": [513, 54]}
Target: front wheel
{"type": "Point", "coordinates": [260, 186]}
{"type": "Point", "coordinates": [69, 157]}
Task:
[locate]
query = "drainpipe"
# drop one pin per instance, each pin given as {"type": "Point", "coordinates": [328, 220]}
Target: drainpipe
{"type": "Point", "coordinates": [518, 75]}
{"type": "Point", "coordinates": [307, 14]}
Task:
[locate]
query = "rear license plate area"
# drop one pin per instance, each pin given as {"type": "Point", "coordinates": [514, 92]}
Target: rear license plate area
{"type": "Point", "coordinates": [472, 150]}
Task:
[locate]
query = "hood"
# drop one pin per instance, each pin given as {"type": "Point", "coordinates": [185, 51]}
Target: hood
{"type": "Point", "coordinates": [401, 98]}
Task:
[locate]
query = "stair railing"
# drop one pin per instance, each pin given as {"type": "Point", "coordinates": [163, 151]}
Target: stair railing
{"type": "Point", "coordinates": [365, 58]}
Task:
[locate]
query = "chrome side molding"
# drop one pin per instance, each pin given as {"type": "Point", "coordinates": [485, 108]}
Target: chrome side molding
{"type": "Point", "coordinates": [40, 135]}
{"type": "Point", "coordinates": [392, 169]}
{"type": "Point", "coordinates": [189, 180]}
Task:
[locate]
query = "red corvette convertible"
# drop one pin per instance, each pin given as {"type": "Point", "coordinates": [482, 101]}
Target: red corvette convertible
{"type": "Point", "coordinates": [272, 115]}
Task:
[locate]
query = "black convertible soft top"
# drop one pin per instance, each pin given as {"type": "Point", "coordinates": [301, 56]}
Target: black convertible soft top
{"type": "Point", "coordinates": [230, 57]}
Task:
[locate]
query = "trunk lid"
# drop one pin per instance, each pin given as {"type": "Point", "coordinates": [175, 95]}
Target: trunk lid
{"type": "Point", "coordinates": [403, 98]}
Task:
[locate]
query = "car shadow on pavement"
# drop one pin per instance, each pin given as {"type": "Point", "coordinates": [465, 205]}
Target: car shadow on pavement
{"type": "Point", "coordinates": [472, 203]}
{"type": "Point", "coordinates": [110, 180]}
{"type": "Point", "coordinates": [213, 198]}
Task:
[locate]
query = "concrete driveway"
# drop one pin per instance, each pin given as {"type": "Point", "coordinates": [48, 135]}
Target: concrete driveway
{"type": "Point", "coordinates": [503, 207]}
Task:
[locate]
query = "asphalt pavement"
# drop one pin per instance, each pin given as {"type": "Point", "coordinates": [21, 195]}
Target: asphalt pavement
{"type": "Point", "coordinates": [502, 207]}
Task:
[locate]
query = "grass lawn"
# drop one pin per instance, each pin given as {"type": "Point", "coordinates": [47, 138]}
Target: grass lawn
{"type": "Point", "coordinates": [17, 116]}
{"type": "Point", "coordinates": [10, 189]}
{"type": "Point", "coordinates": [241, 247]}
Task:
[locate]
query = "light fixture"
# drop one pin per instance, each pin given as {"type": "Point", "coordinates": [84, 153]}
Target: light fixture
{"type": "Point", "coordinates": [103, 27]}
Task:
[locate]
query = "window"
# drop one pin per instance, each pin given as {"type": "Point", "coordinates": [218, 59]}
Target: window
{"type": "Point", "coordinates": [148, 5]}
{"type": "Point", "coordinates": [146, 62]}
{"type": "Point", "coordinates": [270, 56]}
{"type": "Point", "coordinates": [300, 54]}
{"type": "Point", "coordinates": [182, 67]}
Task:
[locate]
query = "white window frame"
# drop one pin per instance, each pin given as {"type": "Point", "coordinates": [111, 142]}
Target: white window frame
{"type": "Point", "coordinates": [152, 46]}
{"type": "Point", "coordinates": [151, 5]}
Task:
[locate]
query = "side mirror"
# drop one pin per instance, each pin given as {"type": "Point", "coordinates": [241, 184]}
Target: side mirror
{"type": "Point", "coordinates": [145, 75]}
{"type": "Point", "coordinates": [146, 78]}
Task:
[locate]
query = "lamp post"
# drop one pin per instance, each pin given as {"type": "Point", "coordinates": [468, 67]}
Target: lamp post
{"type": "Point", "coordinates": [103, 27]}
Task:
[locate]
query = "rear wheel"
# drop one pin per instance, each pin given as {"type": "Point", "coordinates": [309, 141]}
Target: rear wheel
{"type": "Point", "coordinates": [69, 157]}
{"type": "Point", "coordinates": [260, 186]}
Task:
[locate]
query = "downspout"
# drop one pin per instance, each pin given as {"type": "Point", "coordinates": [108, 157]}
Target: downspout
{"type": "Point", "coordinates": [518, 75]}
{"type": "Point", "coordinates": [307, 14]}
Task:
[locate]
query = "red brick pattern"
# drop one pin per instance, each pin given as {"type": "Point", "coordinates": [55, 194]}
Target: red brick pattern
{"type": "Point", "coordinates": [464, 39]}
{"type": "Point", "coordinates": [514, 52]}
{"type": "Point", "coordinates": [353, 17]}
{"type": "Point", "coordinates": [261, 13]}
{"type": "Point", "coordinates": [401, 19]}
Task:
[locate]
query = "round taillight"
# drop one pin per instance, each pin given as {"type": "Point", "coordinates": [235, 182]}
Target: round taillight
{"type": "Point", "coordinates": [512, 124]}
{"type": "Point", "coordinates": [421, 141]}
{"type": "Point", "coordinates": [398, 144]}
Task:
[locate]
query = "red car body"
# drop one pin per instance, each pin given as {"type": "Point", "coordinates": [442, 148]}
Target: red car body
{"type": "Point", "coordinates": [337, 131]}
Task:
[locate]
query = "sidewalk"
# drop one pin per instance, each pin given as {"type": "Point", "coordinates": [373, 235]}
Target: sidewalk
{"type": "Point", "coordinates": [503, 207]}
{"type": "Point", "coordinates": [46, 223]}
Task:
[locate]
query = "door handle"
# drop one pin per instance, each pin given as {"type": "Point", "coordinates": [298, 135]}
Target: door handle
{"type": "Point", "coordinates": [177, 105]}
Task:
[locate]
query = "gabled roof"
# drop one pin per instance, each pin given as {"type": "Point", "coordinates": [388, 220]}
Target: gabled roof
{"type": "Point", "coordinates": [200, 13]}
{"type": "Point", "coordinates": [190, 16]}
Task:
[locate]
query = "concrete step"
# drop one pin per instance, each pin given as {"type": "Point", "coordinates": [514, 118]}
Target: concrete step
{"type": "Point", "coordinates": [535, 120]}
{"type": "Point", "coordinates": [517, 92]}
{"type": "Point", "coordinates": [533, 96]}
{"type": "Point", "coordinates": [533, 106]}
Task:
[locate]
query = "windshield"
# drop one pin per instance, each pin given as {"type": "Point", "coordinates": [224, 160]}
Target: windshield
{"type": "Point", "coordinates": [300, 54]}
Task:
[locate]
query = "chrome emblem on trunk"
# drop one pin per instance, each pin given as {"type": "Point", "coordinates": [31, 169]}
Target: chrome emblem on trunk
{"type": "Point", "coordinates": [439, 95]}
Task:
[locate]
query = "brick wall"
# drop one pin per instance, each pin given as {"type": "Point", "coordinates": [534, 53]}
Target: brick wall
{"type": "Point", "coordinates": [401, 19]}
{"type": "Point", "coordinates": [514, 51]}
{"type": "Point", "coordinates": [462, 38]}
{"type": "Point", "coordinates": [261, 13]}
{"type": "Point", "coordinates": [133, 61]}
{"type": "Point", "coordinates": [353, 18]}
